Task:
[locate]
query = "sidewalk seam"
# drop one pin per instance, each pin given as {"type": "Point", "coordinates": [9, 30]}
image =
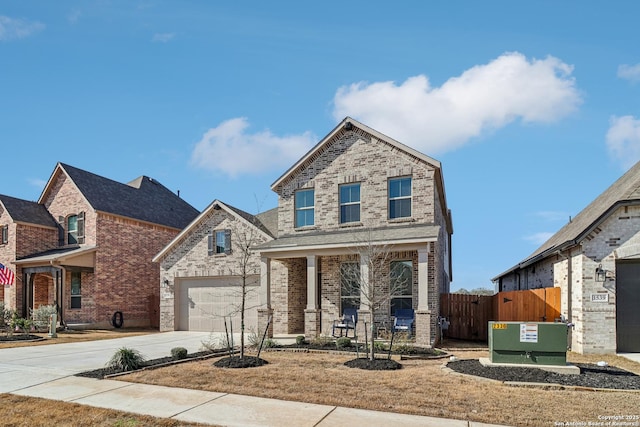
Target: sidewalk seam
{"type": "Point", "coordinates": [100, 392]}
{"type": "Point", "coordinates": [325, 416]}
{"type": "Point", "coordinates": [197, 406]}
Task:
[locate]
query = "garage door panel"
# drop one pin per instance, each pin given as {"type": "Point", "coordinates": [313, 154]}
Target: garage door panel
{"type": "Point", "coordinates": [204, 303]}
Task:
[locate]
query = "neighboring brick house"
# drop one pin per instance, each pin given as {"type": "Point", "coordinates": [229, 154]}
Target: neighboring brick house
{"type": "Point", "coordinates": [87, 244]}
{"type": "Point", "coordinates": [354, 185]}
{"type": "Point", "coordinates": [595, 260]}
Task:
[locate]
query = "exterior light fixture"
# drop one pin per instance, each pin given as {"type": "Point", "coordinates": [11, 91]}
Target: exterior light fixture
{"type": "Point", "coordinates": [165, 283]}
{"type": "Point", "coordinates": [601, 274]}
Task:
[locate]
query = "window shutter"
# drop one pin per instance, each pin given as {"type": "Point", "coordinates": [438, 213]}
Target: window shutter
{"type": "Point", "coordinates": [227, 241]}
{"type": "Point", "coordinates": [211, 243]}
{"type": "Point", "coordinates": [81, 227]}
{"type": "Point", "coordinates": [60, 231]}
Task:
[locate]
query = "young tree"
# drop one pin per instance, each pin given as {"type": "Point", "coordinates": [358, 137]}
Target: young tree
{"type": "Point", "coordinates": [372, 280]}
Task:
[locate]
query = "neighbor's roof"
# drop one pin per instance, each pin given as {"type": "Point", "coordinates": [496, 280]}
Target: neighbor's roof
{"type": "Point", "coordinates": [355, 125]}
{"type": "Point", "coordinates": [625, 191]}
{"type": "Point", "coordinates": [353, 237]}
{"type": "Point", "coordinates": [56, 255]}
{"type": "Point", "coordinates": [144, 198]}
{"type": "Point", "coordinates": [254, 220]}
{"type": "Point", "coordinates": [29, 212]}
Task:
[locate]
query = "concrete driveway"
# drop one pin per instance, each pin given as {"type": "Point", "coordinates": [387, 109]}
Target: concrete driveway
{"type": "Point", "coordinates": [27, 366]}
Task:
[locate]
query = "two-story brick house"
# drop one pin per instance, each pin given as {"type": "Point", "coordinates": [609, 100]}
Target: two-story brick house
{"type": "Point", "coordinates": [86, 245]}
{"type": "Point", "coordinates": [356, 186]}
{"type": "Point", "coordinates": [595, 260]}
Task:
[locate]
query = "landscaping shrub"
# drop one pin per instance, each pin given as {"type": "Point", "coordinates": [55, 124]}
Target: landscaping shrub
{"type": "Point", "coordinates": [179, 353]}
{"type": "Point", "coordinates": [300, 340]}
{"type": "Point", "coordinates": [343, 342]}
{"type": "Point", "coordinates": [269, 343]}
{"type": "Point", "coordinates": [6, 314]}
{"type": "Point", "coordinates": [322, 341]}
{"type": "Point", "coordinates": [253, 338]}
{"type": "Point", "coordinates": [41, 315]}
{"type": "Point", "coordinates": [126, 359]}
{"type": "Point", "coordinates": [24, 325]}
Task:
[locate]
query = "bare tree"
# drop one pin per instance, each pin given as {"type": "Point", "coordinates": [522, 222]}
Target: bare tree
{"type": "Point", "coordinates": [374, 280]}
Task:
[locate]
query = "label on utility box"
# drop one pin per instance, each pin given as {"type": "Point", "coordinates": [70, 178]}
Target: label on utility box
{"type": "Point", "coordinates": [529, 332]}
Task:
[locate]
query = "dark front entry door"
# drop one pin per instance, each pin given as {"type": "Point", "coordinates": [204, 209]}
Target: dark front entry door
{"type": "Point", "coordinates": [627, 306]}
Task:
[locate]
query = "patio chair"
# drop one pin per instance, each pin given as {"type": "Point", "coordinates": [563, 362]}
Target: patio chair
{"type": "Point", "coordinates": [346, 323]}
{"type": "Point", "coordinates": [403, 320]}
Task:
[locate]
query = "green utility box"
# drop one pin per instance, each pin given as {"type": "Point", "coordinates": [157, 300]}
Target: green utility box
{"type": "Point", "coordinates": [531, 343]}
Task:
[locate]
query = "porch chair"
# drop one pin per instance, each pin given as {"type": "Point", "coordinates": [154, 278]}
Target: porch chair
{"type": "Point", "coordinates": [403, 320]}
{"type": "Point", "coordinates": [346, 323]}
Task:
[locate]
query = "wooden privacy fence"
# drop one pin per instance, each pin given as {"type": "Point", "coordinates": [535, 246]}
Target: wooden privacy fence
{"type": "Point", "coordinates": [468, 315]}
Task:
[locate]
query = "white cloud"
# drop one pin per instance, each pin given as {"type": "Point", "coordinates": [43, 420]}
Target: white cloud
{"type": "Point", "coordinates": [229, 149]}
{"type": "Point", "coordinates": [11, 28]}
{"type": "Point", "coordinates": [163, 37]}
{"type": "Point", "coordinates": [38, 182]}
{"type": "Point", "coordinates": [623, 140]}
{"type": "Point", "coordinates": [629, 72]}
{"type": "Point", "coordinates": [538, 238]}
{"type": "Point", "coordinates": [552, 216]}
{"type": "Point", "coordinates": [74, 16]}
{"type": "Point", "coordinates": [483, 98]}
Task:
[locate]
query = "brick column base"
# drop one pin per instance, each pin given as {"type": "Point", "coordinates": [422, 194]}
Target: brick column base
{"type": "Point", "coordinates": [423, 328]}
{"type": "Point", "coordinates": [312, 326]}
{"type": "Point", "coordinates": [263, 318]}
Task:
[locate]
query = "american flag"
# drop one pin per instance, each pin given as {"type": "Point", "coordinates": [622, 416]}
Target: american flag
{"type": "Point", "coordinates": [6, 275]}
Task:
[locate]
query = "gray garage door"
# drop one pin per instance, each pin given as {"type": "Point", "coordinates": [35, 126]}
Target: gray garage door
{"type": "Point", "coordinates": [627, 303]}
{"type": "Point", "coordinates": [204, 303]}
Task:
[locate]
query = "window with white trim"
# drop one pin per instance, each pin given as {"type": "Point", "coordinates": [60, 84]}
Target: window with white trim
{"type": "Point", "coordinates": [305, 208]}
{"type": "Point", "coordinates": [401, 285]}
{"type": "Point", "coordinates": [349, 203]}
{"type": "Point", "coordinates": [400, 197]}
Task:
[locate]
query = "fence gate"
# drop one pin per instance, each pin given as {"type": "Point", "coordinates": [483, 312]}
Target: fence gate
{"type": "Point", "coordinates": [468, 315]}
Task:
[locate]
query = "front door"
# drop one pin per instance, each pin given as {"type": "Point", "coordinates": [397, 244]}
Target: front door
{"type": "Point", "coordinates": [627, 303]}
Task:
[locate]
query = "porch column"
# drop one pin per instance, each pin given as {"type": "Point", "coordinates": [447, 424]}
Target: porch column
{"type": "Point", "coordinates": [264, 311]}
{"type": "Point", "coordinates": [423, 313]}
{"type": "Point", "coordinates": [312, 319]}
{"type": "Point", "coordinates": [364, 313]}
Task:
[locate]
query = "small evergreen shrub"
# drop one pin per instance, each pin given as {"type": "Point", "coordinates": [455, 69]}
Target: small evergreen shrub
{"type": "Point", "coordinates": [179, 353]}
{"type": "Point", "coordinates": [322, 341]}
{"type": "Point", "coordinates": [269, 343]}
{"type": "Point", "coordinates": [41, 315]}
{"type": "Point", "coordinates": [300, 340]}
{"type": "Point", "coordinates": [126, 359]}
{"type": "Point", "coordinates": [343, 342]}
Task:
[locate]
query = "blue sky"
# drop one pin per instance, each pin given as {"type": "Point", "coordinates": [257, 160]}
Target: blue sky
{"type": "Point", "coordinates": [532, 107]}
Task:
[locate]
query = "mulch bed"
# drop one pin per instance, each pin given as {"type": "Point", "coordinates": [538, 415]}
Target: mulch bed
{"type": "Point", "coordinates": [374, 365]}
{"type": "Point", "coordinates": [331, 346]}
{"type": "Point", "coordinates": [20, 337]}
{"type": "Point", "coordinates": [239, 362]}
{"type": "Point", "coordinates": [591, 375]}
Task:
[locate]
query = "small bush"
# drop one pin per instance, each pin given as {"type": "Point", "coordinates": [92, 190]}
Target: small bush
{"type": "Point", "coordinates": [403, 348]}
{"type": "Point", "coordinates": [20, 323]}
{"type": "Point", "coordinates": [41, 315]}
{"type": "Point", "coordinates": [126, 359]}
{"type": "Point", "coordinates": [343, 342]}
{"type": "Point", "coordinates": [253, 338]}
{"type": "Point", "coordinates": [269, 343]}
{"type": "Point", "coordinates": [379, 346]}
{"type": "Point", "coordinates": [322, 341]}
{"type": "Point", "coordinates": [300, 340]}
{"type": "Point", "coordinates": [179, 353]}
{"type": "Point", "coordinates": [6, 314]}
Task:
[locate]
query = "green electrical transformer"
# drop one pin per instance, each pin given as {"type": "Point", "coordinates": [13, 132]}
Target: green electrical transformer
{"type": "Point", "coordinates": [530, 343]}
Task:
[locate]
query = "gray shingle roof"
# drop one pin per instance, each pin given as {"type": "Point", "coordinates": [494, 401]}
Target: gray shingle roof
{"type": "Point", "coordinates": [25, 211]}
{"type": "Point", "coordinates": [395, 235]}
{"type": "Point", "coordinates": [257, 219]}
{"type": "Point", "coordinates": [143, 199]}
{"type": "Point", "coordinates": [625, 190]}
{"type": "Point", "coordinates": [269, 220]}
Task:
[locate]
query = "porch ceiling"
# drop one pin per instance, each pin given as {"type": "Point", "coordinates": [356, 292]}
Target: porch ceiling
{"type": "Point", "coordinates": [401, 237]}
{"type": "Point", "coordinates": [67, 257]}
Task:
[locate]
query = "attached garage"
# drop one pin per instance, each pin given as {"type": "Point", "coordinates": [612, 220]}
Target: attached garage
{"type": "Point", "coordinates": [203, 303]}
{"type": "Point", "coordinates": [628, 301]}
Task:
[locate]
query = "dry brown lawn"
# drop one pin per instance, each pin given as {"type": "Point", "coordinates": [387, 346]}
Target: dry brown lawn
{"type": "Point", "coordinates": [78, 336]}
{"type": "Point", "coordinates": [421, 387]}
{"type": "Point", "coordinates": [19, 411]}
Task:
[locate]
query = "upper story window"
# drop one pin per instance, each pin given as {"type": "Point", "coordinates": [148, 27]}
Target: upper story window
{"type": "Point", "coordinates": [5, 235]}
{"type": "Point", "coordinates": [220, 242]}
{"type": "Point", "coordinates": [304, 202]}
{"type": "Point", "coordinates": [349, 203]}
{"type": "Point", "coordinates": [400, 197]}
{"type": "Point", "coordinates": [75, 229]}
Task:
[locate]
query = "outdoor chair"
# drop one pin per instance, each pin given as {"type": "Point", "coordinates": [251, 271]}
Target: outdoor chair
{"type": "Point", "coordinates": [346, 323]}
{"type": "Point", "coordinates": [403, 321]}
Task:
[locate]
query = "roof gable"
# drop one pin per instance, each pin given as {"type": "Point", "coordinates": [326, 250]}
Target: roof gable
{"type": "Point", "coordinates": [347, 125]}
{"type": "Point", "coordinates": [144, 198]}
{"type": "Point", "coordinates": [624, 191]}
{"type": "Point", "coordinates": [28, 212]}
{"type": "Point", "coordinates": [243, 216]}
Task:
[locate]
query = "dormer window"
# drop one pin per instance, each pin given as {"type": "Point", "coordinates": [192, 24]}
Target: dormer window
{"type": "Point", "coordinates": [400, 197]}
{"type": "Point", "coordinates": [305, 207]}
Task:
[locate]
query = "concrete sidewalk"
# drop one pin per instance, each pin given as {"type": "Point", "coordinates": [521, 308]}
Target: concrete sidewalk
{"type": "Point", "coordinates": [48, 372]}
{"type": "Point", "coordinates": [220, 408]}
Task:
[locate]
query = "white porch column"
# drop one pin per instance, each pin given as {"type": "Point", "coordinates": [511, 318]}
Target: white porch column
{"type": "Point", "coordinates": [265, 282]}
{"type": "Point", "coordinates": [364, 280]}
{"type": "Point", "coordinates": [423, 278]}
{"type": "Point", "coordinates": [312, 289]}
